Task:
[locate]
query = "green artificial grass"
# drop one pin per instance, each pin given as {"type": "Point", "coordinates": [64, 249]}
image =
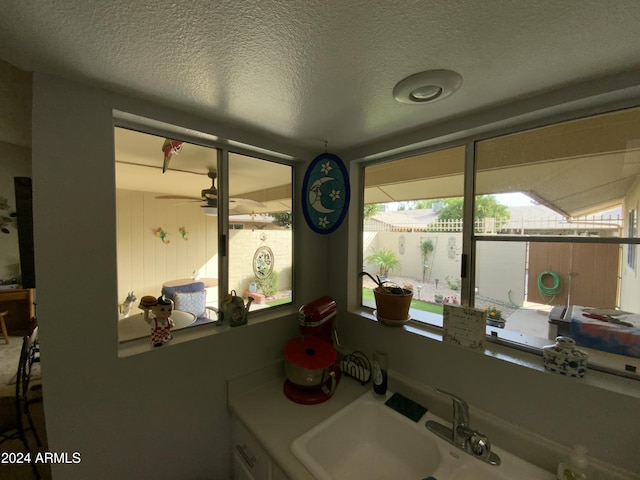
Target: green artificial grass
{"type": "Point", "coordinates": [367, 294]}
{"type": "Point", "coordinates": [279, 301]}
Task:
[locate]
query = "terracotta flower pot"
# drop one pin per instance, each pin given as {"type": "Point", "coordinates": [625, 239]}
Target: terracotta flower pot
{"type": "Point", "coordinates": [393, 303]}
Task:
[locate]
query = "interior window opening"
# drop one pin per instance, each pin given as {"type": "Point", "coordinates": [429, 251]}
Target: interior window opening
{"type": "Point", "coordinates": [167, 238]}
{"type": "Point", "coordinates": [168, 229]}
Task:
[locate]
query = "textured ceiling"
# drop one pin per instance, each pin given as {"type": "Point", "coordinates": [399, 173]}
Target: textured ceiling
{"type": "Point", "coordinates": [306, 71]}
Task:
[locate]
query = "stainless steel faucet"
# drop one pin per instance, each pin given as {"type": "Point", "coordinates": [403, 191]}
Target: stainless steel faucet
{"type": "Point", "coordinates": [460, 419]}
{"type": "Point", "coordinates": [461, 435]}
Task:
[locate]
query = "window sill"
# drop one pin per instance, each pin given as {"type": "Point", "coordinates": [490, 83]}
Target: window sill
{"type": "Point", "coordinates": [599, 379]}
{"type": "Point", "coordinates": [142, 345]}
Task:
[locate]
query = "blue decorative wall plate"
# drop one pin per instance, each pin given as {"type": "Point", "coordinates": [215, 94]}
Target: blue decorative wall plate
{"type": "Point", "coordinates": [325, 193]}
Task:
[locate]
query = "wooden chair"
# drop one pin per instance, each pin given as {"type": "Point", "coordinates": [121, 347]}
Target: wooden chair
{"type": "Point", "coordinates": [14, 410]}
{"type": "Point", "coordinates": [3, 325]}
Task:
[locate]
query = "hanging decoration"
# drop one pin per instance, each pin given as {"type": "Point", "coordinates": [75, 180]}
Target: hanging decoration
{"type": "Point", "coordinates": [162, 235]}
{"type": "Point", "coordinates": [169, 147]}
{"type": "Point", "coordinates": [183, 233]}
{"type": "Point", "coordinates": [326, 193]}
{"type": "Point", "coordinates": [263, 262]}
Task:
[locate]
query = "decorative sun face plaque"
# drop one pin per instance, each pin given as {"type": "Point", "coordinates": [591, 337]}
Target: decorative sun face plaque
{"type": "Point", "coordinates": [325, 193]}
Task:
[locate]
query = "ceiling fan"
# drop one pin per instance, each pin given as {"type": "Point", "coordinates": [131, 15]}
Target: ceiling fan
{"type": "Point", "coordinates": [210, 196]}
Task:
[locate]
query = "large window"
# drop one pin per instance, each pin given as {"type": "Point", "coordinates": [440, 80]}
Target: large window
{"type": "Point", "coordinates": [412, 231]}
{"type": "Point", "coordinates": [194, 223]}
{"type": "Point", "coordinates": [552, 241]}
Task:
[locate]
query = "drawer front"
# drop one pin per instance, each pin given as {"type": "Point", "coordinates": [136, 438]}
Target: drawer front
{"type": "Point", "coordinates": [248, 452]}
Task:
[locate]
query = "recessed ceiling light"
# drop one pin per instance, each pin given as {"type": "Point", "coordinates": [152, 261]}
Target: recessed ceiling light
{"type": "Point", "coordinates": [427, 87]}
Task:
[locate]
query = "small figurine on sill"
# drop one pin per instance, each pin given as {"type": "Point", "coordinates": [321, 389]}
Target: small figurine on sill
{"type": "Point", "coordinates": [156, 313]}
{"type": "Point", "coordinates": [126, 305]}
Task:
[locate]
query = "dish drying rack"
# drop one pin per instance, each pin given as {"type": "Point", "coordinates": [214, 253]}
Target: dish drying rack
{"type": "Point", "coordinates": [356, 365]}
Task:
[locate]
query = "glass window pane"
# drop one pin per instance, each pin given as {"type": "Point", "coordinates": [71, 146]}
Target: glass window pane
{"type": "Point", "coordinates": [260, 230]}
{"type": "Point", "coordinates": [529, 286]}
{"type": "Point", "coordinates": [412, 231]}
{"type": "Point", "coordinates": [164, 239]}
{"type": "Point", "coordinates": [578, 179]}
{"type": "Point", "coordinates": [575, 178]}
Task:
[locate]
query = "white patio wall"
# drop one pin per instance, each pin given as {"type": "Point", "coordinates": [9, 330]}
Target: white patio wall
{"type": "Point", "coordinates": [145, 262]}
{"type": "Point", "coordinates": [242, 247]}
{"type": "Point", "coordinates": [500, 272]}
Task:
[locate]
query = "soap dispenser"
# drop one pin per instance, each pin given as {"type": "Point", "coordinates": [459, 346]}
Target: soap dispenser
{"type": "Point", "coordinates": [576, 468]}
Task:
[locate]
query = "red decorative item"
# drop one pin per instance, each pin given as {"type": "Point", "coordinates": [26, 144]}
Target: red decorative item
{"type": "Point", "coordinates": [169, 147]}
{"type": "Point", "coordinates": [317, 318]}
{"type": "Point", "coordinates": [311, 360]}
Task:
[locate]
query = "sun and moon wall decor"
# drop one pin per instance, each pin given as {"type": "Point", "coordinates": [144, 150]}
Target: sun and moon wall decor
{"type": "Point", "coordinates": [326, 193]}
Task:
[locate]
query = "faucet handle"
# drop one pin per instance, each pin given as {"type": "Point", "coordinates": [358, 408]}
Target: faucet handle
{"type": "Point", "coordinates": [478, 444]}
{"type": "Point", "coordinates": [460, 407]}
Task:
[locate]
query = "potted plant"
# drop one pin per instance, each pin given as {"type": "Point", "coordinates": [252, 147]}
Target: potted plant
{"type": "Point", "coordinates": [438, 298]}
{"type": "Point", "coordinates": [494, 317]}
{"type": "Point", "coordinates": [392, 302]}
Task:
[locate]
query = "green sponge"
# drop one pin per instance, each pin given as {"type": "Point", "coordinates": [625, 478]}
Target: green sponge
{"type": "Point", "coordinates": [406, 407]}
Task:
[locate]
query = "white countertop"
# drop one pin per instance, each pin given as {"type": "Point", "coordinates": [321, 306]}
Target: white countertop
{"type": "Point", "coordinates": [258, 401]}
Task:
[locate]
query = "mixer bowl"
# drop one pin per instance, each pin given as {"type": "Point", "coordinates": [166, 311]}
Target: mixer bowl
{"type": "Point", "coordinates": [309, 361]}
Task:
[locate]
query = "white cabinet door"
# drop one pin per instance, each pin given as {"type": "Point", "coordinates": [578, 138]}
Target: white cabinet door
{"type": "Point", "coordinates": [250, 460]}
{"type": "Point", "coordinates": [240, 469]}
{"type": "Point", "coordinates": [276, 473]}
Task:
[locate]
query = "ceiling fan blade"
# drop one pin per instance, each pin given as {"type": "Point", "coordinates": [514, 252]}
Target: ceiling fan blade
{"type": "Point", "coordinates": [246, 201]}
{"type": "Point", "coordinates": [178, 197]}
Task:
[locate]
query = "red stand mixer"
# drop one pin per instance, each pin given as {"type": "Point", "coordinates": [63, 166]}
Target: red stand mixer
{"type": "Point", "coordinates": [311, 361]}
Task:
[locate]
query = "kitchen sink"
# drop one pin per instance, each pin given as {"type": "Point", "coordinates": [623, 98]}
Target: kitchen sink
{"type": "Point", "coordinates": [367, 439]}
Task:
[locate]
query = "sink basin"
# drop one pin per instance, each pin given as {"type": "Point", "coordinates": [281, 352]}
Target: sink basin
{"type": "Point", "coordinates": [367, 439]}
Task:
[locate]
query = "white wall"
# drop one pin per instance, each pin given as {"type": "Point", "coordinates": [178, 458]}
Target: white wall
{"type": "Point", "coordinates": [156, 415]}
{"type": "Point", "coordinates": [406, 246]}
{"type": "Point", "coordinates": [242, 247]}
{"type": "Point", "coordinates": [500, 271]}
{"type": "Point", "coordinates": [145, 262]}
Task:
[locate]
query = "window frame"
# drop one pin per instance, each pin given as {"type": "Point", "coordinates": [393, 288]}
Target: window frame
{"type": "Point", "coordinates": [223, 147]}
{"type": "Point", "coordinates": [632, 220]}
{"type": "Point", "coordinates": [470, 238]}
